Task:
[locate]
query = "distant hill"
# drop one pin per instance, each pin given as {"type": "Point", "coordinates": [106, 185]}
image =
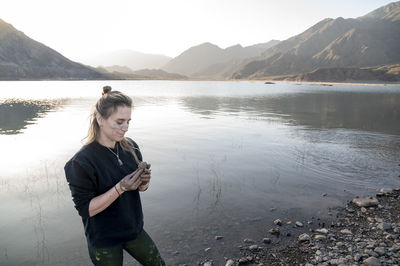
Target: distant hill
{"type": "Point", "coordinates": [22, 58]}
{"type": "Point", "coordinates": [158, 74]}
{"type": "Point", "coordinates": [208, 60]}
{"type": "Point", "coordinates": [371, 40]}
{"type": "Point", "coordinates": [115, 74]}
{"type": "Point", "coordinates": [116, 68]}
{"type": "Point", "coordinates": [132, 59]}
{"type": "Point", "coordinates": [118, 72]}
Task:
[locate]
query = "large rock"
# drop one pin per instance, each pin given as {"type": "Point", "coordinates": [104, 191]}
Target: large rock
{"type": "Point", "coordinates": [366, 202]}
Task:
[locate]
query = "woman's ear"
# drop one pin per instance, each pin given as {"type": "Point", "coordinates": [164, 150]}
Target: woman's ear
{"type": "Point", "coordinates": [99, 119]}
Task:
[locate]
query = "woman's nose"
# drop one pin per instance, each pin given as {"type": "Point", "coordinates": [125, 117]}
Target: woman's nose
{"type": "Point", "coordinates": [124, 127]}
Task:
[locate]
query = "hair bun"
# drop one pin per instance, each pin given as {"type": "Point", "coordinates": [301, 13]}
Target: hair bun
{"type": "Point", "coordinates": [106, 89]}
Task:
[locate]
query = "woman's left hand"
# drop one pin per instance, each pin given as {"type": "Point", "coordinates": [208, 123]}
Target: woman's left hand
{"type": "Point", "coordinates": [145, 177]}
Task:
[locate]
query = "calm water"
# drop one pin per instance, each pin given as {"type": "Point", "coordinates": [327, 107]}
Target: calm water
{"type": "Point", "coordinates": [223, 154]}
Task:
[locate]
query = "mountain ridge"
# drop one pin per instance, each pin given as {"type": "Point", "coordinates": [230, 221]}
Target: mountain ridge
{"type": "Point", "coordinates": [370, 40]}
{"type": "Point", "coordinates": [198, 59]}
{"type": "Point", "coordinates": [22, 58]}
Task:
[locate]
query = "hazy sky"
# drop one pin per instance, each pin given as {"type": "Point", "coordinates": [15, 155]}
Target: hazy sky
{"type": "Point", "coordinates": [81, 28]}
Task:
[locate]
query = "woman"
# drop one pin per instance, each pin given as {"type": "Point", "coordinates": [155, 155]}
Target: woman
{"type": "Point", "coordinates": [105, 177]}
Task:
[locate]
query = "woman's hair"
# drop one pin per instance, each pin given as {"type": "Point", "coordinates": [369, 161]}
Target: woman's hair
{"type": "Point", "coordinates": [105, 106]}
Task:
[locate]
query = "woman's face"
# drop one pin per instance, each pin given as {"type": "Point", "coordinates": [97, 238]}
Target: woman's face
{"type": "Point", "coordinates": [116, 125]}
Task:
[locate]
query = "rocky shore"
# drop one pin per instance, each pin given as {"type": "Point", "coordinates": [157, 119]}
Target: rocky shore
{"type": "Point", "coordinates": [364, 232]}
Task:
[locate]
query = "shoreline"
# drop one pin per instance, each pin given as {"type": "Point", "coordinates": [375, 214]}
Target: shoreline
{"type": "Point", "coordinates": [267, 81]}
{"type": "Point", "coordinates": [366, 231]}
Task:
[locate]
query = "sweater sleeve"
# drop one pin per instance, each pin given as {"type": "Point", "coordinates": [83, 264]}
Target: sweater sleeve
{"type": "Point", "coordinates": [81, 181]}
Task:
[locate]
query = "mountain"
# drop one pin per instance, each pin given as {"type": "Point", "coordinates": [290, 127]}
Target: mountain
{"type": "Point", "coordinates": [132, 59]}
{"type": "Point", "coordinates": [22, 58]}
{"type": "Point", "coordinates": [371, 40]}
{"type": "Point", "coordinates": [208, 60]}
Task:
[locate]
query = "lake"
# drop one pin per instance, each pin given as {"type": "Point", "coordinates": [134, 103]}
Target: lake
{"type": "Point", "coordinates": [228, 158]}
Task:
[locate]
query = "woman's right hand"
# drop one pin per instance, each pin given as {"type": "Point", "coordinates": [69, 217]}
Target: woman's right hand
{"type": "Point", "coordinates": [131, 181]}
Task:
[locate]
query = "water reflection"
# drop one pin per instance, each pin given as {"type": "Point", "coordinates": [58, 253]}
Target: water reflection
{"type": "Point", "coordinates": [16, 114]}
{"type": "Point", "coordinates": [233, 168]}
{"type": "Point", "coordinates": [351, 110]}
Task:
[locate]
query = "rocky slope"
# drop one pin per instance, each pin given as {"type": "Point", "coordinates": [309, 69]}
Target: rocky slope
{"type": "Point", "coordinates": [366, 41]}
{"type": "Point", "coordinates": [390, 73]}
{"type": "Point", "coordinates": [22, 58]}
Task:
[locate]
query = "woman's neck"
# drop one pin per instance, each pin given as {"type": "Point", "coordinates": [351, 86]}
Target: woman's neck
{"type": "Point", "coordinates": [106, 141]}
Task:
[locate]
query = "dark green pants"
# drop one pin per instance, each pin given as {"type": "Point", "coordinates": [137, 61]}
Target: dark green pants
{"type": "Point", "coordinates": [142, 249]}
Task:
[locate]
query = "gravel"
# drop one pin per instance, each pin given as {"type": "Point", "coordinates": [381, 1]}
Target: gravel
{"type": "Point", "coordinates": [368, 236]}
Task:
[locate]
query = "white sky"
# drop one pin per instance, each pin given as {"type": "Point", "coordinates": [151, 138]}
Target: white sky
{"type": "Point", "coordinates": [81, 28]}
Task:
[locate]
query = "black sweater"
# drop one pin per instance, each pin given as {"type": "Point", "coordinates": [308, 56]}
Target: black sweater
{"type": "Point", "coordinates": [92, 171]}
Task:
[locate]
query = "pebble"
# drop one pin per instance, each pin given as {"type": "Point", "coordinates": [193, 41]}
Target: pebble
{"type": "Point", "coordinates": [208, 263]}
{"type": "Point", "coordinates": [278, 222]}
{"type": "Point", "coordinates": [275, 231]}
{"type": "Point", "coordinates": [357, 257]}
{"type": "Point", "coordinates": [319, 237]}
{"type": "Point", "coordinates": [367, 236]}
{"type": "Point", "coordinates": [207, 249]}
{"type": "Point", "coordinates": [366, 202]}
{"type": "Point", "coordinates": [346, 231]}
{"type": "Point", "coordinates": [248, 240]}
{"type": "Point", "coordinates": [322, 231]}
{"type": "Point", "coordinates": [299, 224]}
{"type": "Point", "coordinates": [380, 251]}
{"type": "Point", "coordinates": [253, 247]}
{"type": "Point", "coordinates": [218, 237]}
{"type": "Point", "coordinates": [373, 253]}
{"type": "Point", "coordinates": [229, 263]}
{"type": "Point", "coordinates": [372, 261]}
{"type": "Point", "coordinates": [267, 240]}
{"type": "Point", "coordinates": [243, 260]}
{"type": "Point", "coordinates": [304, 237]}
{"type": "Point", "coordinates": [384, 226]}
